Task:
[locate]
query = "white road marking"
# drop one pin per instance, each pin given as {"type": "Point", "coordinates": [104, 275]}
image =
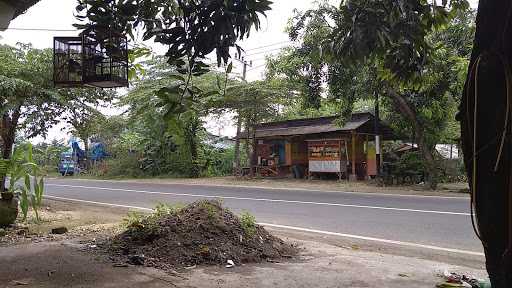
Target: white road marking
{"type": "Point", "coordinates": [401, 243]}
{"type": "Point", "coordinates": [265, 200]}
{"type": "Point", "coordinates": [270, 188]}
{"type": "Point", "coordinates": [97, 203]}
{"type": "Point", "coordinates": [373, 239]}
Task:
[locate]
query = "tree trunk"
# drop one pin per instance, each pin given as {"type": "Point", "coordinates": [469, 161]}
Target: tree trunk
{"type": "Point", "coordinates": [8, 127]}
{"type": "Point", "coordinates": [87, 161]}
{"type": "Point", "coordinates": [254, 154]}
{"type": "Point", "coordinates": [427, 153]}
{"type": "Point", "coordinates": [8, 143]}
{"type": "Point", "coordinates": [237, 145]}
{"type": "Point", "coordinates": [86, 145]}
{"type": "Point", "coordinates": [248, 147]}
{"type": "Point", "coordinates": [194, 146]}
{"type": "Point", "coordinates": [485, 105]}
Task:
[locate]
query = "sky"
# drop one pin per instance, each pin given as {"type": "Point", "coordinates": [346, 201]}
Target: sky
{"type": "Point", "coordinates": [58, 14]}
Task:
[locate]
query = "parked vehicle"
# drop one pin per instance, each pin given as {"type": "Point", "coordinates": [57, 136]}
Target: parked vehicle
{"type": "Point", "coordinates": [67, 165]}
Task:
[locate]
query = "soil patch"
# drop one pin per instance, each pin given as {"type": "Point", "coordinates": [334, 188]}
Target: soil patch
{"type": "Point", "coordinates": [81, 220]}
{"type": "Point", "coordinates": [203, 232]}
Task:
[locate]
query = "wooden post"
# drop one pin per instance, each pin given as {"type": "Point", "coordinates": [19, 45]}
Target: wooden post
{"type": "Point", "coordinates": [367, 177]}
{"type": "Point", "coordinates": [353, 175]}
{"type": "Point", "coordinates": [339, 154]}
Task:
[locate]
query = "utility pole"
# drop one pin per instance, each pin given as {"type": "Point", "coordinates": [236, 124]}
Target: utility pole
{"type": "Point", "coordinates": [239, 120]}
{"type": "Point", "coordinates": [377, 135]}
{"type": "Point", "coordinates": [246, 63]}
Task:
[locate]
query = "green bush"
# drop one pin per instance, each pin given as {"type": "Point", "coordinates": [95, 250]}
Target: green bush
{"type": "Point", "coordinates": [408, 167]}
{"type": "Point", "coordinates": [218, 162]}
{"type": "Point", "coordinates": [163, 209]}
{"type": "Point", "coordinates": [143, 221]}
{"type": "Point", "coordinates": [123, 165]}
{"type": "Point", "coordinates": [248, 222]}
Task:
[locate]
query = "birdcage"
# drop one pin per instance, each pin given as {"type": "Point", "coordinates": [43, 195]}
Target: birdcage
{"type": "Point", "coordinates": [97, 58]}
{"type": "Point", "coordinates": [67, 62]}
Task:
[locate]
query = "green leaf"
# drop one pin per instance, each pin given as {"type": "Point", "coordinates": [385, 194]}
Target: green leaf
{"type": "Point", "coordinates": [4, 165]}
{"type": "Point", "coordinates": [29, 153]}
{"type": "Point", "coordinates": [40, 191]}
{"type": "Point", "coordinates": [24, 203]}
{"type": "Point", "coordinates": [229, 68]}
{"type": "Point", "coordinates": [27, 182]}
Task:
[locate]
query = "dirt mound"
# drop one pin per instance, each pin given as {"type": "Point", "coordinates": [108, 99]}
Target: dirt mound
{"type": "Point", "coordinates": [203, 232]}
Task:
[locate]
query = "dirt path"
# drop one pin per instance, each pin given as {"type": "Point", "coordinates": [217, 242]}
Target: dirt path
{"type": "Point", "coordinates": [68, 264]}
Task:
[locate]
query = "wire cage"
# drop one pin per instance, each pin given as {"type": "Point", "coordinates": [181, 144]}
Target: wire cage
{"type": "Point", "coordinates": [67, 62]}
{"type": "Point", "coordinates": [97, 58]}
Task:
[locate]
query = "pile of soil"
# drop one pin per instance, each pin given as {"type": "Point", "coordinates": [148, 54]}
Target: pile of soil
{"type": "Point", "coordinates": [203, 232]}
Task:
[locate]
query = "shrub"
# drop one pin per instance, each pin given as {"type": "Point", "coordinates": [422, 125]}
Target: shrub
{"type": "Point", "coordinates": [140, 221]}
{"type": "Point", "coordinates": [124, 165]}
{"type": "Point", "coordinates": [163, 209]}
{"type": "Point", "coordinates": [248, 222]}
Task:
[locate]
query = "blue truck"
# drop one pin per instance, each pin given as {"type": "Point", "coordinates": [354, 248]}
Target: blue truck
{"type": "Point", "coordinates": [67, 165]}
{"type": "Point", "coordinates": [75, 158]}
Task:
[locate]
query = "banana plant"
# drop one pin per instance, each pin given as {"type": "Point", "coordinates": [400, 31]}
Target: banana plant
{"type": "Point", "coordinates": [22, 166]}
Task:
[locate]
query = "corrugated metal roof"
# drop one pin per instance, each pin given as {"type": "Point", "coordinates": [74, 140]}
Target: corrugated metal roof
{"type": "Point", "coordinates": [309, 126]}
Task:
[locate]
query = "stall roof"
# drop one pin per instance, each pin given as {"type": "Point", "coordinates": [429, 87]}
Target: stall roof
{"type": "Point", "coordinates": [359, 122]}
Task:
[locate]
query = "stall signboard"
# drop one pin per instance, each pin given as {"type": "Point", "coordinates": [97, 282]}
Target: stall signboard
{"type": "Point", "coordinates": [327, 156]}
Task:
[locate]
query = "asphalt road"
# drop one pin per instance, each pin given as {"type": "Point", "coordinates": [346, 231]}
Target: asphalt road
{"type": "Point", "coordinates": [434, 221]}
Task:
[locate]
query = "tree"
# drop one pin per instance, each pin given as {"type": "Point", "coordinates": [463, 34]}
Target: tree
{"type": "Point", "coordinates": [391, 39]}
{"type": "Point", "coordinates": [29, 103]}
{"type": "Point", "coordinates": [485, 126]}
{"type": "Point", "coordinates": [190, 29]}
{"type": "Point", "coordinates": [173, 142]}
{"type": "Point", "coordinates": [83, 118]}
{"type": "Point", "coordinates": [253, 103]}
{"type": "Point", "coordinates": [47, 154]}
{"type": "Point", "coordinates": [110, 130]}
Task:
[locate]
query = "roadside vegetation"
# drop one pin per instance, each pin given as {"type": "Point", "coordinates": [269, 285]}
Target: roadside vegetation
{"type": "Point", "coordinates": [160, 135]}
{"type": "Point", "coordinates": [155, 138]}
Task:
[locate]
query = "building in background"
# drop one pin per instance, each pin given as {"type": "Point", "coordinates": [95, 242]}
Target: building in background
{"type": "Point", "coordinates": [315, 146]}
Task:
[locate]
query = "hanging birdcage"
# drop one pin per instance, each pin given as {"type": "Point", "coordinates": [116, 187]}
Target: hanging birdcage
{"type": "Point", "coordinates": [97, 58]}
{"type": "Point", "coordinates": [67, 61]}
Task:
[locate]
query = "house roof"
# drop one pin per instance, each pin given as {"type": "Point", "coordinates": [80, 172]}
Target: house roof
{"type": "Point", "coordinates": [21, 5]}
{"type": "Point", "coordinates": [361, 122]}
{"type": "Point", "coordinates": [218, 142]}
{"type": "Point", "coordinates": [10, 9]}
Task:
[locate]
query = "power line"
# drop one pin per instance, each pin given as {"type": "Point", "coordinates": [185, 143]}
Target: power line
{"type": "Point", "coordinates": [258, 59]}
{"type": "Point", "coordinates": [265, 51]}
{"type": "Point", "coordinates": [269, 45]}
{"type": "Point", "coordinates": [256, 67]}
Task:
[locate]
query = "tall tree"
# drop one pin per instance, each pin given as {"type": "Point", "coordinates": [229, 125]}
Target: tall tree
{"type": "Point", "coordinates": [28, 101]}
{"type": "Point", "coordinates": [82, 114]}
{"type": "Point", "coordinates": [392, 39]}
{"type": "Point", "coordinates": [253, 102]}
{"type": "Point", "coordinates": [190, 29]}
{"type": "Point", "coordinates": [485, 125]}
